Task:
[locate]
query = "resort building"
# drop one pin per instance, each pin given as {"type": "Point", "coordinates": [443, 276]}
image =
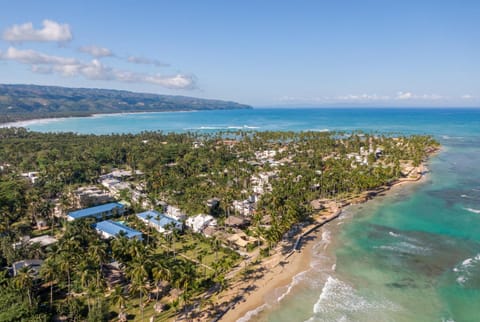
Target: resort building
{"type": "Point", "coordinates": [161, 222]}
{"type": "Point", "coordinates": [90, 196]}
{"type": "Point", "coordinates": [99, 212]}
{"type": "Point", "coordinates": [199, 222]}
{"type": "Point", "coordinates": [112, 229]}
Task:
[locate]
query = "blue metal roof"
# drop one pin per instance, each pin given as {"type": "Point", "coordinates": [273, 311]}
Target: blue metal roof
{"type": "Point", "coordinates": [162, 220]}
{"type": "Point", "coordinates": [95, 211]}
{"type": "Point", "coordinates": [114, 228]}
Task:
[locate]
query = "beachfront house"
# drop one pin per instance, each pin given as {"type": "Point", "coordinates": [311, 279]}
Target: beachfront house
{"type": "Point", "coordinates": [99, 212]}
{"type": "Point", "coordinates": [112, 229]}
{"type": "Point", "coordinates": [199, 222]}
{"type": "Point", "coordinates": [161, 222]}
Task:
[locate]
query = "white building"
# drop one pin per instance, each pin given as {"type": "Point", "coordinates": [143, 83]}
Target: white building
{"type": "Point", "coordinates": [199, 222]}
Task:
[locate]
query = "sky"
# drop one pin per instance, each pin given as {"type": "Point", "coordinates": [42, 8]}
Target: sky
{"type": "Point", "coordinates": [262, 53]}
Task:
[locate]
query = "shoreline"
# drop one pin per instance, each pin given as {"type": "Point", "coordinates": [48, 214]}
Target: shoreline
{"type": "Point", "coordinates": [248, 298]}
{"type": "Point", "coordinates": [48, 118]}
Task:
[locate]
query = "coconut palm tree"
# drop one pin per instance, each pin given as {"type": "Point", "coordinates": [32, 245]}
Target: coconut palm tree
{"type": "Point", "coordinates": [23, 282]}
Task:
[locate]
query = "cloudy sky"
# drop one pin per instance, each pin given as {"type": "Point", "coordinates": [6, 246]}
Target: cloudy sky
{"type": "Point", "coordinates": [264, 53]}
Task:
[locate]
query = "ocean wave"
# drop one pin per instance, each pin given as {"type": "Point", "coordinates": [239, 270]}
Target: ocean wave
{"type": "Point", "coordinates": [295, 280]}
{"type": "Point", "coordinates": [406, 247]}
{"type": "Point", "coordinates": [475, 211]}
{"type": "Point", "coordinates": [319, 130]}
{"type": "Point", "coordinates": [391, 233]}
{"type": "Point", "coordinates": [339, 297]}
{"type": "Point", "coordinates": [252, 313]}
{"type": "Point", "coordinates": [242, 127]}
{"type": "Point", "coordinates": [463, 270]}
{"type": "Point", "coordinates": [231, 127]}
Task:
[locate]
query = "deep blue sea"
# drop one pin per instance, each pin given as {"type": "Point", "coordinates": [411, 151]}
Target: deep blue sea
{"type": "Point", "coordinates": [413, 255]}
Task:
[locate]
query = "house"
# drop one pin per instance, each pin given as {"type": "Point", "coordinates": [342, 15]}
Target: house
{"type": "Point", "coordinates": [44, 241]}
{"type": "Point", "coordinates": [90, 196]}
{"type": "Point", "coordinates": [160, 222]}
{"type": "Point", "coordinates": [106, 210]}
{"type": "Point", "coordinates": [241, 241]}
{"type": "Point", "coordinates": [175, 213]}
{"type": "Point", "coordinates": [234, 221]}
{"type": "Point", "coordinates": [111, 229]}
{"type": "Point", "coordinates": [33, 264]}
{"type": "Point", "coordinates": [199, 222]}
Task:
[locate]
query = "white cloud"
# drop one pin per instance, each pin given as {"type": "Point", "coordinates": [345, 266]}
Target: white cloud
{"type": "Point", "coordinates": [146, 61]}
{"type": "Point", "coordinates": [404, 96]}
{"type": "Point", "coordinates": [96, 51]}
{"type": "Point", "coordinates": [366, 98]}
{"type": "Point", "coordinates": [95, 70]}
{"type": "Point", "coordinates": [51, 31]}
{"type": "Point", "coordinates": [467, 97]}
{"type": "Point", "coordinates": [422, 97]}
{"type": "Point", "coordinates": [362, 97]}
{"type": "Point", "coordinates": [28, 56]}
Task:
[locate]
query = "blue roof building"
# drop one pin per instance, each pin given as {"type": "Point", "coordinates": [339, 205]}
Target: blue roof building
{"type": "Point", "coordinates": [159, 221]}
{"type": "Point", "coordinates": [102, 211]}
{"type": "Point", "coordinates": [109, 229]}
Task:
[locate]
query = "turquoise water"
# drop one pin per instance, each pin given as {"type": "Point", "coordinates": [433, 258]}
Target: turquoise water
{"type": "Point", "coordinates": [413, 255]}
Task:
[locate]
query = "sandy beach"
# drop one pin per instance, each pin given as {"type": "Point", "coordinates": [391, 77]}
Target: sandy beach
{"type": "Point", "coordinates": [280, 275]}
{"type": "Point", "coordinates": [277, 271]}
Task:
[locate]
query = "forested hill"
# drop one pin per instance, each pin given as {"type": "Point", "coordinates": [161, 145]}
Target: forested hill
{"type": "Point", "coordinates": [21, 102]}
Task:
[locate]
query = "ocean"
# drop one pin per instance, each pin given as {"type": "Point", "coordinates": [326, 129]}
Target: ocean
{"type": "Point", "coordinates": [412, 255]}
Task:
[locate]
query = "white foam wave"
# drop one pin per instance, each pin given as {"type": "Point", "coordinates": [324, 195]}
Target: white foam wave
{"type": "Point", "coordinates": [295, 280]}
{"type": "Point", "coordinates": [338, 296]}
{"type": "Point", "coordinates": [475, 211]}
{"type": "Point", "coordinates": [391, 233]}
{"type": "Point", "coordinates": [319, 130]}
{"type": "Point", "coordinates": [406, 247]}
{"type": "Point", "coordinates": [242, 127]}
{"type": "Point", "coordinates": [231, 127]}
{"type": "Point", "coordinates": [252, 313]}
{"type": "Point", "coordinates": [463, 270]}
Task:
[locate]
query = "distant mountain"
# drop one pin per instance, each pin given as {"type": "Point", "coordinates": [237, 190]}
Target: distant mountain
{"type": "Point", "coordinates": [21, 102]}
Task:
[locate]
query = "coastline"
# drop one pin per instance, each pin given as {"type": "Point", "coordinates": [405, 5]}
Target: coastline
{"type": "Point", "coordinates": [49, 118]}
{"type": "Point", "coordinates": [247, 298]}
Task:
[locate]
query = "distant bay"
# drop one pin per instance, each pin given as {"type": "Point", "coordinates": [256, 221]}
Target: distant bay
{"type": "Point", "coordinates": [411, 256]}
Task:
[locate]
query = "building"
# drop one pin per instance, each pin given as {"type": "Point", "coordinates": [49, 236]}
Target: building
{"type": "Point", "coordinates": [102, 211]}
{"type": "Point", "coordinates": [175, 213]}
{"type": "Point", "coordinates": [90, 196]}
{"type": "Point", "coordinates": [199, 222]}
{"type": "Point", "coordinates": [33, 264]}
{"type": "Point", "coordinates": [234, 221]}
{"type": "Point", "coordinates": [160, 222]}
{"type": "Point", "coordinates": [112, 229]}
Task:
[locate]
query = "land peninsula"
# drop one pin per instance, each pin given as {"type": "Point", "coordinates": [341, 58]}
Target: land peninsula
{"type": "Point", "coordinates": [27, 102]}
{"type": "Point", "coordinates": [175, 226]}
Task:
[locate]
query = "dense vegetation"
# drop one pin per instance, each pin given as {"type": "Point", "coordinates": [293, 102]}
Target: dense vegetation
{"type": "Point", "coordinates": [181, 169]}
{"type": "Point", "coordinates": [21, 102]}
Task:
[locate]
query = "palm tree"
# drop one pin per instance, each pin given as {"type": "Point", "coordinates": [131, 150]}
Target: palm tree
{"type": "Point", "coordinates": [23, 282]}
{"type": "Point", "coordinates": [118, 298]}
{"type": "Point", "coordinates": [49, 271]}
{"type": "Point", "coordinates": [160, 272]}
{"type": "Point", "coordinates": [138, 276]}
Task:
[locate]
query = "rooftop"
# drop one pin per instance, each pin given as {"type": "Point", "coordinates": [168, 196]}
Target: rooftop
{"type": "Point", "coordinates": [157, 218]}
{"type": "Point", "coordinates": [115, 228]}
{"type": "Point", "coordinates": [92, 211]}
